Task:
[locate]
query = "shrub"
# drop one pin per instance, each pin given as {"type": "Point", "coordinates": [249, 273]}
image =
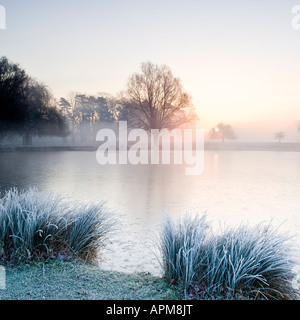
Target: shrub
{"type": "Point", "coordinates": [181, 246]}
{"type": "Point", "coordinates": [36, 225]}
{"type": "Point", "coordinates": [253, 261]}
{"type": "Point", "coordinates": [246, 262]}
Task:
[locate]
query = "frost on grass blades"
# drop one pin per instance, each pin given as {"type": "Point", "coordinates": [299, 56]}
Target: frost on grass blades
{"type": "Point", "coordinates": [152, 148]}
{"type": "Point", "coordinates": [36, 225]}
{"type": "Point", "coordinates": [2, 18]}
{"type": "Point", "coordinates": [296, 19]}
{"type": "Point", "coordinates": [253, 262]}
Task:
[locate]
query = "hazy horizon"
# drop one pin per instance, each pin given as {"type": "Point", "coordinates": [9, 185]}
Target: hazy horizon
{"type": "Point", "coordinates": [238, 60]}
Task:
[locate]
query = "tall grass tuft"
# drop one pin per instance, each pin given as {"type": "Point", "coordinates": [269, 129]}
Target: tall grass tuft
{"type": "Point", "coordinates": [181, 245]}
{"type": "Point", "coordinates": [36, 225]}
{"type": "Point", "coordinates": [253, 262]}
{"type": "Point", "coordinates": [88, 228]}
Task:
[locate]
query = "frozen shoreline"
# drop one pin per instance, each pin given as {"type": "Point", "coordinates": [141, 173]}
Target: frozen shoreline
{"type": "Point", "coordinates": [213, 146]}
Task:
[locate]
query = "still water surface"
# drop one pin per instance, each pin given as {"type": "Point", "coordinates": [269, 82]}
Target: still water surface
{"type": "Point", "coordinates": [235, 187]}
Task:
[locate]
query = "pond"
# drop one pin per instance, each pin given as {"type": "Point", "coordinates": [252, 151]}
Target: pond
{"type": "Point", "coordinates": [235, 187]}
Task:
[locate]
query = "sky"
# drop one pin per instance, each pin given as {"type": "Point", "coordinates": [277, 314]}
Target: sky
{"type": "Point", "coordinates": [239, 60]}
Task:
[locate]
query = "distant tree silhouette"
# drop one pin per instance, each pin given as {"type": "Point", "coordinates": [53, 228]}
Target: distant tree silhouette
{"type": "Point", "coordinates": [105, 109]}
{"type": "Point", "coordinates": [222, 131]}
{"type": "Point", "coordinates": [155, 99]}
{"type": "Point", "coordinates": [65, 107]}
{"type": "Point", "coordinates": [279, 136]}
{"type": "Point", "coordinates": [85, 112]}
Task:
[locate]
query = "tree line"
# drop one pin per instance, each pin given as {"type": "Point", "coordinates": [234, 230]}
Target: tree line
{"type": "Point", "coordinates": [26, 105]}
{"type": "Point", "coordinates": [153, 99]}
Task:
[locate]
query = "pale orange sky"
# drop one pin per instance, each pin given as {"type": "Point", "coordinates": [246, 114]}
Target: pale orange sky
{"type": "Point", "coordinates": [239, 60]}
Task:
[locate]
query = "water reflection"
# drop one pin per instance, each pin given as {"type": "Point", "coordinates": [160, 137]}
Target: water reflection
{"type": "Point", "coordinates": [235, 186]}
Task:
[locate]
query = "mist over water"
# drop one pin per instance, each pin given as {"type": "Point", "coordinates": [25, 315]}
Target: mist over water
{"type": "Point", "coordinates": [236, 186]}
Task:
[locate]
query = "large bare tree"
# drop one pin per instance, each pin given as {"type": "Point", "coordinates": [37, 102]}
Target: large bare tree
{"type": "Point", "coordinates": [155, 99]}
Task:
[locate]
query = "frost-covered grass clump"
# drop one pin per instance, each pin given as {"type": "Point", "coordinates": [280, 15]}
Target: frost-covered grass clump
{"type": "Point", "coordinates": [241, 262]}
{"type": "Point", "coordinates": [35, 225]}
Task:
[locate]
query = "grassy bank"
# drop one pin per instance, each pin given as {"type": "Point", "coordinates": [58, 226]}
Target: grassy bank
{"type": "Point", "coordinates": [48, 245]}
{"type": "Point", "coordinates": [61, 280]}
{"type": "Point", "coordinates": [74, 280]}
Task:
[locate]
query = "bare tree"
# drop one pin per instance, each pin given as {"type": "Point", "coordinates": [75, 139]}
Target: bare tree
{"type": "Point", "coordinates": [155, 99]}
{"type": "Point", "coordinates": [279, 136]}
